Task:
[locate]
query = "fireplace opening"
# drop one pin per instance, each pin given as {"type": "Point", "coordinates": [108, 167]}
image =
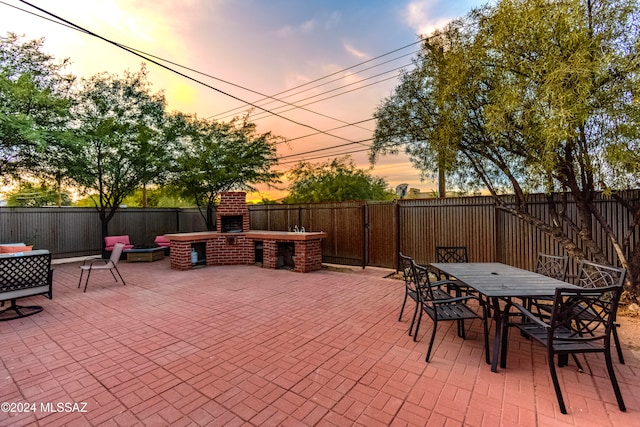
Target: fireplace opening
{"type": "Point", "coordinates": [231, 224]}
{"type": "Point", "coordinates": [286, 252]}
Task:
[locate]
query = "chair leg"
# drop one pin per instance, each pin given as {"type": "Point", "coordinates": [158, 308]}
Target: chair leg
{"type": "Point", "coordinates": [403, 304]}
{"type": "Point", "coordinates": [563, 360]}
{"type": "Point", "coordinates": [616, 340]}
{"type": "Point", "coordinates": [415, 333]}
{"type": "Point", "coordinates": [87, 282]}
{"type": "Point", "coordinates": [461, 332]}
{"type": "Point", "coordinates": [115, 279]}
{"type": "Point", "coordinates": [433, 337]}
{"type": "Point", "coordinates": [413, 320]}
{"type": "Point", "coordinates": [556, 383]}
{"type": "Point", "coordinates": [487, 354]}
{"type": "Point", "coordinates": [578, 364]}
{"type": "Point", "coordinates": [80, 281]}
{"type": "Point", "coordinates": [118, 271]}
{"type": "Point", "coordinates": [614, 381]}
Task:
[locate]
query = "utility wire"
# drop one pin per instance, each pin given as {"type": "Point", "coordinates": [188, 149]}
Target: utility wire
{"type": "Point", "coordinates": [328, 130]}
{"type": "Point", "coordinates": [325, 149]}
{"type": "Point", "coordinates": [261, 115]}
{"type": "Point", "coordinates": [324, 157]}
{"type": "Point", "coordinates": [311, 88]}
{"type": "Point", "coordinates": [147, 58]}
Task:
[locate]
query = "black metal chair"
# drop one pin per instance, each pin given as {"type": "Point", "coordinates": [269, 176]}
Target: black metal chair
{"type": "Point", "coordinates": [554, 266]}
{"type": "Point", "coordinates": [582, 321]}
{"type": "Point", "coordinates": [452, 254]}
{"type": "Point", "coordinates": [457, 254]}
{"type": "Point", "coordinates": [440, 306]}
{"type": "Point", "coordinates": [591, 276]}
{"type": "Point", "coordinates": [409, 285]}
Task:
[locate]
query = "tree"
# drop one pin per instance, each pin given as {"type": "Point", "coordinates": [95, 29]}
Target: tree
{"type": "Point", "coordinates": [526, 96]}
{"type": "Point", "coordinates": [35, 100]}
{"type": "Point", "coordinates": [29, 195]}
{"type": "Point", "coordinates": [121, 124]}
{"type": "Point", "coordinates": [217, 157]}
{"type": "Point", "coordinates": [334, 181]}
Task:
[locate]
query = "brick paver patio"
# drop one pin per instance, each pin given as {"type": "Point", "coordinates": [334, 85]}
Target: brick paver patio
{"type": "Point", "coordinates": [241, 345]}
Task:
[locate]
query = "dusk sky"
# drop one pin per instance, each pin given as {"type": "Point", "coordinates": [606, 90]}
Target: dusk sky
{"type": "Point", "coordinates": [332, 59]}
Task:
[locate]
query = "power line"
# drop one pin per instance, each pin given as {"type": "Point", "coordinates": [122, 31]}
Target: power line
{"type": "Point", "coordinates": [263, 115]}
{"type": "Point", "coordinates": [325, 156]}
{"type": "Point", "coordinates": [328, 130]}
{"type": "Point", "coordinates": [147, 58]}
{"type": "Point", "coordinates": [272, 97]}
{"type": "Point", "coordinates": [325, 149]}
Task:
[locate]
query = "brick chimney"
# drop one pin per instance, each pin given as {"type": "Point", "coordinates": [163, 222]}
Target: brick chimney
{"type": "Point", "coordinates": [232, 215]}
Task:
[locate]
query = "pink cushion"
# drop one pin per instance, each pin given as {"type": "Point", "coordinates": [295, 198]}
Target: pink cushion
{"type": "Point", "coordinates": [14, 249]}
{"type": "Point", "coordinates": [162, 241]}
{"type": "Point", "coordinates": [110, 242]}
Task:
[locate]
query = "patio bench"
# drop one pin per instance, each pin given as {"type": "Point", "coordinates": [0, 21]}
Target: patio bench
{"type": "Point", "coordinates": [24, 274]}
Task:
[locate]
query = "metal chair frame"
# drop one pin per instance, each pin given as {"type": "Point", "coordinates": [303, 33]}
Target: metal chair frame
{"type": "Point", "coordinates": [441, 306]}
{"type": "Point", "coordinates": [110, 264]}
{"type": "Point", "coordinates": [582, 321]}
{"type": "Point", "coordinates": [409, 283]}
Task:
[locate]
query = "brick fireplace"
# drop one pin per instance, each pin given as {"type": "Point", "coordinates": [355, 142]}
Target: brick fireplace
{"type": "Point", "coordinates": [232, 215]}
{"type": "Point", "coordinates": [234, 243]}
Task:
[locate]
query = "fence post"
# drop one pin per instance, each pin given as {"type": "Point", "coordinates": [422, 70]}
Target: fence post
{"type": "Point", "coordinates": [365, 240]}
{"type": "Point", "coordinates": [396, 221]}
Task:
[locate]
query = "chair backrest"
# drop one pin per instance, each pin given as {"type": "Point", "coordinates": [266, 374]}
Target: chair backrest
{"type": "Point", "coordinates": [592, 275]}
{"type": "Point", "coordinates": [115, 253]}
{"type": "Point", "coordinates": [583, 316]}
{"type": "Point", "coordinates": [452, 254]}
{"type": "Point", "coordinates": [423, 282]}
{"type": "Point", "coordinates": [407, 270]}
{"type": "Point", "coordinates": [553, 266]}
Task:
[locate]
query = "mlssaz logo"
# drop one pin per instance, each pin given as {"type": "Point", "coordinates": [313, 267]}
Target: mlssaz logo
{"type": "Point", "coordinates": [63, 407]}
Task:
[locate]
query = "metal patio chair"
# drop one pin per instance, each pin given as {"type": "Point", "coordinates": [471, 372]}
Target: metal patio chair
{"type": "Point", "coordinates": [441, 306]}
{"type": "Point", "coordinates": [582, 321]}
{"type": "Point", "coordinates": [409, 286]}
{"type": "Point", "coordinates": [102, 264]}
{"type": "Point", "coordinates": [590, 276]}
{"type": "Point", "coordinates": [554, 266]}
{"type": "Point", "coordinates": [452, 254]}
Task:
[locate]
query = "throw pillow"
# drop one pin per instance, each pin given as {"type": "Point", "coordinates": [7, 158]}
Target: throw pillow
{"type": "Point", "coordinates": [13, 249]}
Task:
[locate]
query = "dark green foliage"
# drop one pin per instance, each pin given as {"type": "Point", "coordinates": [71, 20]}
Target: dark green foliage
{"type": "Point", "coordinates": [216, 157]}
{"type": "Point", "coordinates": [531, 95]}
{"type": "Point", "coordinates": [121, 126]}
{"type": "Point", "coordinates": [334, 181]}
{"type": "Point", "coordinates": [34, 111]}
{"type": "Point", "coordinates": [33, 196]}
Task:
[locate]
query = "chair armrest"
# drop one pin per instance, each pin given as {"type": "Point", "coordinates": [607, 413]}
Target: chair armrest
{"type": "Point", "coordinates": [91, 261]}
{"type": "Point", "coordinates": [458, 299]}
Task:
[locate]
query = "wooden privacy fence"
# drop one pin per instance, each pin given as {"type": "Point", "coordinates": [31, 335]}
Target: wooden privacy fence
{"type": "Point", "coordinates": [359, 233]}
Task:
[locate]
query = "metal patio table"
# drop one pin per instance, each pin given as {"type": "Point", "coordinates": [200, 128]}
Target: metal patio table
{"type": "Point", "coordinates": [498, 281]}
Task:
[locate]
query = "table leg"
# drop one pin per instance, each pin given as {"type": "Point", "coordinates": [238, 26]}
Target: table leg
{"type": "Point", "coordinates": [497, 317]}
